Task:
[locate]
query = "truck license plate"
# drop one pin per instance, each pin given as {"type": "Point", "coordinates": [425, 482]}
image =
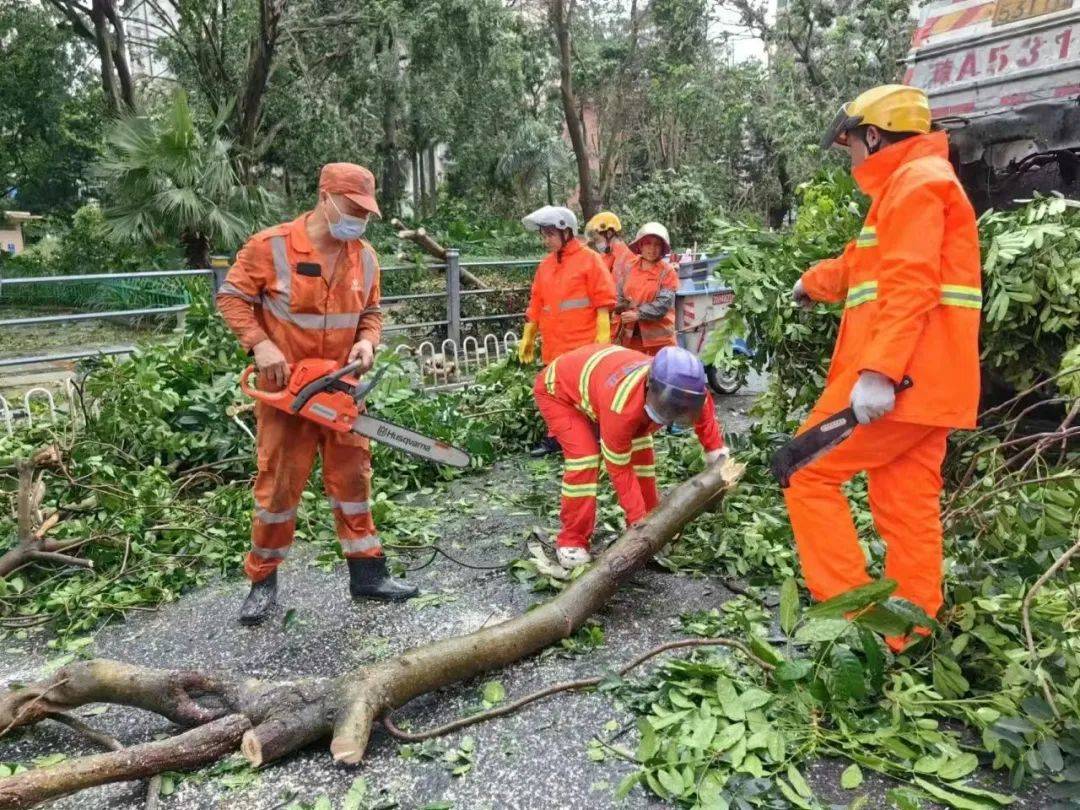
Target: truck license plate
{"type": "Point", "coordinates": [1010, 11]}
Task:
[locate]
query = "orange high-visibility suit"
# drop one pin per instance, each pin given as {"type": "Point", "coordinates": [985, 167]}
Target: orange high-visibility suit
{"type": "Point", "coordinates": [649, 288]}
{"type": "Point", "coordinates": [618, 252]}
{"type": "Point", "coordinates": [911, 288]}
{"type": "Point", "coordinates": [569, 287]}
{"type": "Point", "coordinates": [281, 288]}
{"type": "Point", "coordinates": [593, 400]}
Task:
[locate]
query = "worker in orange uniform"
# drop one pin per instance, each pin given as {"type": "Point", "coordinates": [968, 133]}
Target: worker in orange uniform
{"type": "Point", "coordinates": [645, 289]}
{"type": "Point", "coordinates": [605, 235]}
{"type": "Point", "coordinates": [310, 288]}
{"type": "Point", "coordinates": [911, 289]}
{"type": "Point", "coordinates": [608, 401]}
{"type": "Point", "coordinates": [572, 296]}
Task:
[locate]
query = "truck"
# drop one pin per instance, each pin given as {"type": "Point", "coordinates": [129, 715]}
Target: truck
{"type": "Point", "coordinates": [1003, 77]}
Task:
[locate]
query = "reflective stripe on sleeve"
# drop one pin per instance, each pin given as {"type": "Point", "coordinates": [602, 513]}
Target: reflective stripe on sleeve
{"type": "Point", "coordinates": [574, 303]}
{"type": "Point", "coordinates": [627, 386]}
{"type": "Point", "coordinates": [957, 295]}
{"type": "Point", "coordinates": [867, 237]}
{"type": "Point", "coordinates": [228, 288]}
{"type": "Point", "coordinates": [861, 294]}
{"type": "Point", "coordinates": [586, 378]}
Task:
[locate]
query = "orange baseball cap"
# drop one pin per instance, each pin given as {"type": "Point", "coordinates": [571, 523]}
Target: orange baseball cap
{"type": "Point", "coordinates": [355, 182]}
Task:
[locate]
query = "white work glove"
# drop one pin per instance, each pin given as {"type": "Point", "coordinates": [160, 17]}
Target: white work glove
{"type": "Point", "coordinates": [717, 456]}
{"type": "Point", "coordinates": [872, 396]}
{"type": "Point", "coordinates": [800, 296]}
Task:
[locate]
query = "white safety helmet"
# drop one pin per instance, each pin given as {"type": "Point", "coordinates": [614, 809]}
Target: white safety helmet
{"type": "Point", "coordinates": [651, 229]}
{"type": "Point", "coordinates": [550, 216]}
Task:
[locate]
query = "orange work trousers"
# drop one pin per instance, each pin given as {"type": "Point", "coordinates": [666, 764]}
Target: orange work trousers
{"type": "Point", "coordinates": [903, 465]}
{"type": "Point", "coordinates": [578, 436]}
{"type": "Point", "coordinates": [287, 446]}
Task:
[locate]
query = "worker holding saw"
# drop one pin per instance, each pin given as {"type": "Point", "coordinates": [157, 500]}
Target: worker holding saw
{"type": "Point", "coordinates": [572, 296]}
{"type": "Point", "coordinates": [604, 232]}
{"type": "Point", "coordinates": [911, 291]}
{"type": "Point", "coordinates": [645, 287]}
{"type": "Point", "coordinates": [607, 401]}
{"type": "Point", "coordinates": [301, 290]}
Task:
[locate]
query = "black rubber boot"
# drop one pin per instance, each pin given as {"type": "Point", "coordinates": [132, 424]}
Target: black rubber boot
{"type": "Point", "coordinates": [548, 446]}
{"type": "Point", "coordinates": [260, 600]}
{"type": "Point", "coordinates": [369, 579]}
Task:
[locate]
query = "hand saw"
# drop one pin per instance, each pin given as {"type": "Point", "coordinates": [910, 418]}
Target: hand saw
{"type": "Point", "coordinates": [817, 441]}
{"type": "Point", "coordinates": [333, 396]}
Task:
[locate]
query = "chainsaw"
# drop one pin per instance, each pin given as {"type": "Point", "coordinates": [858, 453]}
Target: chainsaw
{"type": "Point", "coordinates": [333, 396]}
{"type": "Point", "coordinates": [817, 441]}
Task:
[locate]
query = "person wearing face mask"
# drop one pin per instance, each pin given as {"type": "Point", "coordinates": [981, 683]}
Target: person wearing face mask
{"type": "Point", "coordinates": [910, 288]}
{"type": "Point", "coordinates": [572, 296]}
{"type": "Point", "coordinates": [606, 402]}
{"type": "Point", "coordinates": [646, 286]}
{"type": "Point", "coordinates": [310, 289]}
{"type": "Point", "coordinates": [605, 234]}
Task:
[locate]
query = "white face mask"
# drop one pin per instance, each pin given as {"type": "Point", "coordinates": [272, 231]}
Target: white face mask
{"type": "Point", "coordinates": [348, 228]}
{"type": "Point", "coordinates": [602, 246]}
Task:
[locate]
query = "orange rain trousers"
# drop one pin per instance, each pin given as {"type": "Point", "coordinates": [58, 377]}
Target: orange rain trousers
{"type": "Point", "coordinates": [287, 446]}
{"type": "Point", "coordinates": [903, 465]}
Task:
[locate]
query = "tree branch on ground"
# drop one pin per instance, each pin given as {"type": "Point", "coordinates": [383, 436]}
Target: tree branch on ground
{"type": "Point", "coordinates": [275, 719]}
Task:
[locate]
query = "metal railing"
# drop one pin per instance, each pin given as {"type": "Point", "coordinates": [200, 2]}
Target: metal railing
{"type": "Point", "coordinates": [453, 322]}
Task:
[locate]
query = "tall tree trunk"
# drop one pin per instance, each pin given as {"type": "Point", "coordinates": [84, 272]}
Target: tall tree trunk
{"type": "Point", "coordinates": [433, 180]}
{"type": "Point", "coordinates": [103, 43]}
{"type": "Point", "coordinates": [417, 160]}
{"type": "Point", "coordinates": [259, 67]}
{"type": "Point", "coordinates": [120, 55]}
{"type": "Point", "coordinates": [560, 14]}
{"type": "Point", "coordinates": [393, 179]}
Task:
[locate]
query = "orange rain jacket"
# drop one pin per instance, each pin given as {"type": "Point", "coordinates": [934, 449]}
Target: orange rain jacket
{"type": "Point", "coordinates": [911, 284]}
{"type": "Point", "coordinates": [618, 253]}
{"type": "Point", "coordinates": [569, 287]}
{"type": "Point", "coordinates": [650, 289]}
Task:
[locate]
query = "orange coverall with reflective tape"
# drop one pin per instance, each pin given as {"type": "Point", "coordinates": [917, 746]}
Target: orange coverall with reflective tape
{"type": "Point", "coordinates": [282, 288]}
{"type": "Point", "coordinates": [570, 285]}
{"type": "Point", "coordinates": [911, 288]}
{"type": "Point", "coordinates": [618, 253]}
{"type": "Point", "coordinates": [649, 288]}
{"type": "Point", "coordinates": [593, 400]}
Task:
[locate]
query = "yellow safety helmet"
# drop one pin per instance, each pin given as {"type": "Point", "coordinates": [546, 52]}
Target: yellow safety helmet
{"type": "Point", "coordinates": [604, 221]}
{"type": "Point", "coordinates": [891, 107]}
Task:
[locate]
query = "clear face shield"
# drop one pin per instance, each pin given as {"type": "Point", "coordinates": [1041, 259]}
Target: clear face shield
{"type": "Point", "coordinates": [671, 406]}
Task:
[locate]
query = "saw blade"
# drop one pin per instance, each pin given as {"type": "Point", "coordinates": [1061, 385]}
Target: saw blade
{"type": "Point", "coordinates": [812, 444]}
{"type": "Point", "coordinates": [409, 441]}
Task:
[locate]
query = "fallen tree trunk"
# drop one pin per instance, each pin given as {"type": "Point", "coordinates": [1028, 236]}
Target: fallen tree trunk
{"type": "Point", "coordinates": [285, 716]}
{"type": "Point", "coordinates": [424, 241]}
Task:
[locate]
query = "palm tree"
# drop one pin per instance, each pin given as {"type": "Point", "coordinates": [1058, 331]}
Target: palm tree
{"type": "Point", "coordinates": [164, 181]}
{"type": "Point", "coordinates": [533, 152]}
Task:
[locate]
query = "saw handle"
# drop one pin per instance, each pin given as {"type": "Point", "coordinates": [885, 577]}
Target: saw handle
{"type": "Point", "coordinates": [279, 399]}
{"type": "Point", "coordinates": [904, 384]}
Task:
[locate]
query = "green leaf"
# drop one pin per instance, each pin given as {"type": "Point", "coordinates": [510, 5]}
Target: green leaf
{"type": "Point", "coordinates": [875, 659]}
{"type": "Point", "coordinates": [792, 795]}
{"type": "Point", "coordinates": [765, 651]}
{"type": "Point", "coordinates": [649, 744]}
{"type": "Point", "coordinates": [754, 698]}
{"type": "Point", "coordinates": [789, 605]}
{"type": "Point", "coordinates": [704, 731]}
{"type": "Point", "coordinates": [322, 803]}
{"type": "Point", "coordinates": [730, 703]}
{"type": "Point", "coordinates": [851, 778]}
{"type": "Point", "coordinates": [957, 800]}
{"type": "Point", "coordinates": [790, 671]}
{"type": "Point", "coordinates": [728, 736]}
{"type": "Point", "coordinates": [672, 781]}
{"type": "Point", "coordinates": [356, 795]}
{"type": "Point", "coordinates": [957, 767]}
{"type": "Point", "coordinates": [798, 782]}
{"type": "Point", "coordinates": [855, 599]}
{"type": "Point", "coordinates": [626, 785]}
{"type": "Point", "coordinates": [494, 693]}
{"type": "Point", "coordinates": [820, 630]}
{"type": "Point", "coordinates": [846, 675]}
{"type": "Point", "coordinates": [903, 798]}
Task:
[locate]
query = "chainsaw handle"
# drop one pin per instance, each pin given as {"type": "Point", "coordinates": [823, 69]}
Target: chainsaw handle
{"type": "Point", "coordinates": [904, 384]}
{"type": "Point", "coordinates": [265, 396]}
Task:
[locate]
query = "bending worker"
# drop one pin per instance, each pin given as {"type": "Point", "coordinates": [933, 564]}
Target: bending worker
{"type": "Point", "coordinates": [605, 235]}
{"type": "Point", "coordinates": [572, 296]}
{"type": "Point", "coordinates": [645, 288]}
{"type": "Point", "coordinates": [310, 288]}
{"type": "Point", "coordinates": [911, 289]}
{"type": "Point", "coordinates": [607, 400]}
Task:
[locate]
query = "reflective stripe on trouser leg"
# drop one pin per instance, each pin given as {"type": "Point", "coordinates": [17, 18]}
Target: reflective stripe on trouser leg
{"type": "Point", "coordinates": [347, 480]}
{"type": "Point", "coordinates": [581, 451]}
{"type": "Point", "coordinates": [286, 447]}
{"type": "Point", "coordinates": [644, 462]}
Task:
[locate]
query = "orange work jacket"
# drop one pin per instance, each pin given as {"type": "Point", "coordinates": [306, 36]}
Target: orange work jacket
{"type": "Point", "coordinates": [618, 253]}
{"type": "Point", "coordinates": [911, 286]}
{"type": "Point", "coordinates": [607, 385]}
{"type": "Point", "coordinates": [281, 288]}
{"type": "Point", "coordinates": [570, 285]}
{"type": "Point", "coordinates": [650, 289]}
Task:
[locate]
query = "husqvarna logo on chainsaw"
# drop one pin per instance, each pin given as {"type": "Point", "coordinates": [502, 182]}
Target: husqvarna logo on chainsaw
{"type": "Point", "coordinates": [833, 425]}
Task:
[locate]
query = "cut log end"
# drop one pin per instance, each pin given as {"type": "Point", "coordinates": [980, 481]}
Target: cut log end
{"type": "Point", "coordinates": [251, 748]}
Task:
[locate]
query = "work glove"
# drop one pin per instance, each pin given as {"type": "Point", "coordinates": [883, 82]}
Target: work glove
{"type": "Point", "coordinates": [717, 456]}
{"type": "Point", "coordinates": [872, 396]}
{"type": "Point", "coordinates": [603, 326]}
{"type": "Point", "coordinates": [800, 296]}
{"type": "Point", "coordinates": [526, 352]}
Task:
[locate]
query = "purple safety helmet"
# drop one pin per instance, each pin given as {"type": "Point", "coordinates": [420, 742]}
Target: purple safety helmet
{"type": "Point", "coordinates": [675, 392]}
